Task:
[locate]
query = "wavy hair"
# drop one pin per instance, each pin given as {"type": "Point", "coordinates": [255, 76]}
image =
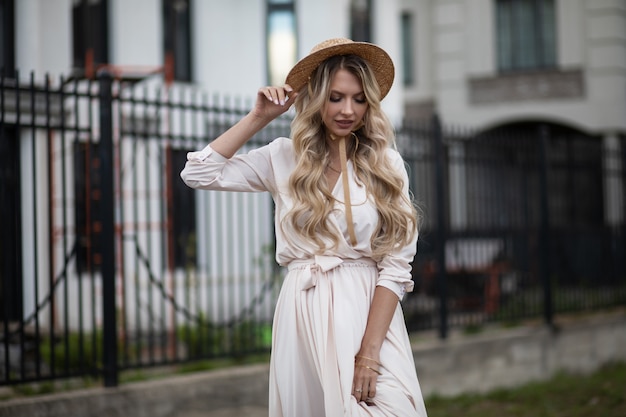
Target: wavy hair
{"type": "Point", "coordinates": [312, 198]}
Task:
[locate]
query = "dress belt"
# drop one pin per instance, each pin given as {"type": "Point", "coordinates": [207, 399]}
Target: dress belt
{"type": "Point", "coordinates": [320, 264]}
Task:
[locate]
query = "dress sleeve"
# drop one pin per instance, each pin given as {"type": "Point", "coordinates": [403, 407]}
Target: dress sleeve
{"type": "Point", "coordinates": [252, 171]}
{"type": "Point", "coordinates": [395, 268]}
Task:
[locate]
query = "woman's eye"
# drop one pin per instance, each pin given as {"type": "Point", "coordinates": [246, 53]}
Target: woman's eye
{"type": "Point", "coordinates": [357, 100]}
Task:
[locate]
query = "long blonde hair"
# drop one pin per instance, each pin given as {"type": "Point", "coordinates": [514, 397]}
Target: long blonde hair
{"type": "Point", "coordinates": [312, 200]}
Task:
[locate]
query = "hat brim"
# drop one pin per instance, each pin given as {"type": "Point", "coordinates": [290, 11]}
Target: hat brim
{"type": "Point", "coordinates": [378, 59]}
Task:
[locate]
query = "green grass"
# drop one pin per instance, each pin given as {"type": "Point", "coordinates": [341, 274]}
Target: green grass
{"type": "Point", "coordinates": [601, 394]}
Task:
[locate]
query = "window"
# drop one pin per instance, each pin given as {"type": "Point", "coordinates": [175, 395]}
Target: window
{"type": "Point", "coordinates": [407, 49]}
{"type": "Point", "coordinates": [361, 29]}
{"type": "Point", "coordinates": [7, 37]}
{"type": "Point", "coordinates": [177, 38]}
{"type": "Point", "coordinates": [525, 34]}
{"type": "Point", "coordinates": [90, 34]}
{"type": "Point", "coordinates": [281, 40]}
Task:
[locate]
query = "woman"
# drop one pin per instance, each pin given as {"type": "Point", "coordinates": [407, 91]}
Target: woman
{"type": "Point", "coordinates": [345, 229]}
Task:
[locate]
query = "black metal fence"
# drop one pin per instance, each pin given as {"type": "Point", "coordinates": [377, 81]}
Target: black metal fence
{"type": "Point", "coordinates": [529, 221]}
{"type": "Point", "coordinates": [109, 262]}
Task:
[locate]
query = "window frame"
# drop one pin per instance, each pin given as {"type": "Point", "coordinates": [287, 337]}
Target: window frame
{"type": "Point", "coordinates": [275, 7]}
{"type": "Point", "coordinates": [361, 20]}
{"type": "Point", "coordinates": [90, 34]}
{"type": "Point", "coordinates": [177, 39]}
{"type": "Point", "coordinates": [407, 27]}
{"type": "Point", "coordinates": [520, 47]}
{"type": "Point", "coordinates": [7, 37]}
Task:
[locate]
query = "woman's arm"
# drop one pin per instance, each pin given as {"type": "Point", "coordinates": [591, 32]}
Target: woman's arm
{"type": "Point", "coordinates": [395, 279]}
{"type": "Point", "coordinates": [271, 102]}
{"type": "Point", "coordinates": [367, 361]}
{"type": "Point", "coordinates": [214, 168]}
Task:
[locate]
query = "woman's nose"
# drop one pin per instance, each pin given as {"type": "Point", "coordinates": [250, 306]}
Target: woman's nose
{"type": "Point", "coordinates": [347, 108]}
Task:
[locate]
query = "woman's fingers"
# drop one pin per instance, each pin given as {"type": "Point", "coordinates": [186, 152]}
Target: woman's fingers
{"type": "Point", "coordinates": [364, 382]}
{"type": "Point", "coordinates": [277, 95]}
{"type": "Point", "coordinates": [273, 101]}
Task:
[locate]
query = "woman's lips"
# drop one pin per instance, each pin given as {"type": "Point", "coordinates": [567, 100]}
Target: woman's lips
{"type": "Point", "coordinates": [344, 124]}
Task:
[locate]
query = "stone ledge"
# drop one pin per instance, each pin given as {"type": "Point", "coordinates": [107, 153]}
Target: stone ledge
{"type": "Point", "coordinates": [506, 358]}
{"type": "Point", "coordinates": [526, 86]}
{"type": "Point", "coordinates": [492, 359]}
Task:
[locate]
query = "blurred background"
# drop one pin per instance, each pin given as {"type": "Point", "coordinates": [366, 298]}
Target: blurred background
{"type": "Point", "coordinates": [510, 114]}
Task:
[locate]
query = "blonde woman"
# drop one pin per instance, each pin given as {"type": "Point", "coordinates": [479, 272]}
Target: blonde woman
{"type": "Point", "coordinates": [346, 229]}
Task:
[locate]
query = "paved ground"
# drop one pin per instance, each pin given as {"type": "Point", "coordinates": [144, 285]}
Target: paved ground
{"type": "Point", "coordinates": [233, 412]}
{"type": "Point", "coordinates": [494, 358]}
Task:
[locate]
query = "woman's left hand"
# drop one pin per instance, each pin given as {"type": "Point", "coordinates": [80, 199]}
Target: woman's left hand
{"type": "Point", "coordinates": [367, 365]}
{"type": "Point", "coordinates": [367, 368]}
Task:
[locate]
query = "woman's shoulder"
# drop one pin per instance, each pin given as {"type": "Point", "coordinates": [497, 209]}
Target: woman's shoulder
{"type": "Point", "coordinates": [281, 147]}
{"type": "Point", "coordinates": [281, 143]}
{"type": "Point", "coordinates": [279, 151]}
{"type": "Point", "coordinates": [277, 146]}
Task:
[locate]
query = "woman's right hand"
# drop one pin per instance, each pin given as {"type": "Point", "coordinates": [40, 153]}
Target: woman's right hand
{"type": "Point", "coordinates": [272, 101]}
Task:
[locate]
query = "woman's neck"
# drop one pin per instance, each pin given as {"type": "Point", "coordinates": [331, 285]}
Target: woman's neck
{"type": "Point", "coordinates": [333, 148]}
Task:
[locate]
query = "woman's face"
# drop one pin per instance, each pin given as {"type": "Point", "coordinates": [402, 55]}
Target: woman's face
{"type": "Point", "coordinates": [346, 106]}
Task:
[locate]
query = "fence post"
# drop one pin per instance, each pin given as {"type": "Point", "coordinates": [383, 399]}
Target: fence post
{"type": "Point", "coordinates": [623, 219]}
{"type": "Point", "coordinates": [544, 234]}
{"type": "Point", "coordinates": [440, 190]}
{"type": "Point", "coordinates": [109, 354]}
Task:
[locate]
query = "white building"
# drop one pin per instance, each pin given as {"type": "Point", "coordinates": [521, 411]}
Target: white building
{"type": "Point", "coordinates": [488, 64]}
{"type": "Point", "coordinates": [481, 63]}
{"type": "Point", "coordinates": [485, 63]}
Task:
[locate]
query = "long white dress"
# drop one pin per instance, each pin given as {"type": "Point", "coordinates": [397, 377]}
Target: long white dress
{"type": "Point", "coordinates": [322, 309]}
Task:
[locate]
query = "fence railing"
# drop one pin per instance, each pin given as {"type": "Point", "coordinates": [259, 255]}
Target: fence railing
{"type": "Point", "coordinates": [108, 262]}
{"type": "Point", "coordinates": [529, 221]}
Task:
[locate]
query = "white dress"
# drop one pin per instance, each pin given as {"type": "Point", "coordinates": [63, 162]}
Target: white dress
{"type": "Point", "coordinates": [322, 309]}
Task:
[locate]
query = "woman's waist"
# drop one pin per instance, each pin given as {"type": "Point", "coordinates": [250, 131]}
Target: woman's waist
{"type": "Point", "coordinates": [327, 262]}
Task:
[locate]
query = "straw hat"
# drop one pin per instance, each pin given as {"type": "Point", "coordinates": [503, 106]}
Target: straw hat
{"type": "Point", "coordinates": [378, 59]}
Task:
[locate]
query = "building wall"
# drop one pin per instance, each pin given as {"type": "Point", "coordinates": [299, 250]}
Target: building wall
{"type": "Point", "coordinates": [135, 33]}
{"type": "Point", "coordinates": [229, 46]}
{"type": "Point", "coordinates": [43, 36]}
{"type": "Point", "coordinates": [228, 39]}
{"type": "Point", "coordinates": [457, 47]}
